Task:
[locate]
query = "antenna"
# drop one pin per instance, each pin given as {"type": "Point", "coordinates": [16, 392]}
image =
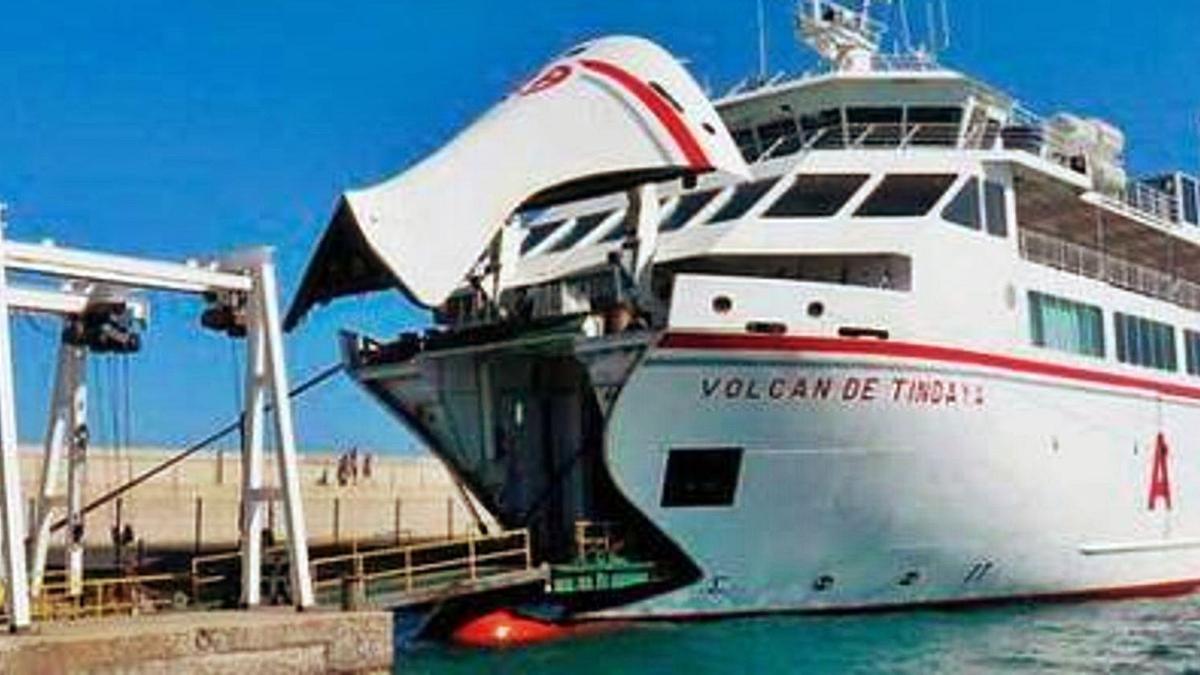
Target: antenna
{"type": "Point", "coordinates": [762, 43]}
{"type": "Point", "coordinates": [931, 26]}
{"type": "Point", "coordinates": [905, 28]}
{"type": "Point", "coordinates": [945, 25]}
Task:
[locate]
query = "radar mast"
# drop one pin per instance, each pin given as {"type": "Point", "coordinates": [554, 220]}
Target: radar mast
{"type": "Point", "coordinates": [848, 39]}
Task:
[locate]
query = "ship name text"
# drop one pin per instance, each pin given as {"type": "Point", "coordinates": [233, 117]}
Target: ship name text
{"type": "Point", "coordinates": [927, 391]}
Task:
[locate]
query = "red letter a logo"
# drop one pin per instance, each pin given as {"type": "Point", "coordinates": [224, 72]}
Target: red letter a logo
{"type": "Point", "coordinates": [1160, 481]}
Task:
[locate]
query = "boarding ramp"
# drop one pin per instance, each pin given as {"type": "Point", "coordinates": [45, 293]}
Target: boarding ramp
{"type": "Point", "coordinates": [400, 577]}
{"type": "Point", "coordinates": [382, 576]}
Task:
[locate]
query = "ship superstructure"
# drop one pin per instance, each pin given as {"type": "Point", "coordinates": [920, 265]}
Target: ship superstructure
{"type": "Point", "coordinates": [876, 336]}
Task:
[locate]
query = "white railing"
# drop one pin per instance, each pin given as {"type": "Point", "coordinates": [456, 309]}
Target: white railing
{"type": "Point", "coordinates": [1095, 264]}
{"type": "Point", "coordinates": [890, 135]}
{"type": "Point", "coordinates": [1151, 201]}
{"type": "Point", "coordinates": [883, 63]}
{"type": "Point", "coordinates": [865, 136]}
{"type": "Point", "coordinates": [1146, 201]}
{"type": "Point", "coordinates": [889, 63]}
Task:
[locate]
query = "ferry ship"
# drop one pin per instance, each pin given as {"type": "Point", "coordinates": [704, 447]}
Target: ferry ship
{"type": "Point", "coordinates": [870, 337]}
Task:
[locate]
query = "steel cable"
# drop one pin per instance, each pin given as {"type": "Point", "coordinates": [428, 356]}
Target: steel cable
{"type": "Point", "coordinates": [192, 449]}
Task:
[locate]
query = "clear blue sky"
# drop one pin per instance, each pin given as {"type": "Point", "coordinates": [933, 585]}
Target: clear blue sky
{"type": "Point", "coordinates": [182, 128]}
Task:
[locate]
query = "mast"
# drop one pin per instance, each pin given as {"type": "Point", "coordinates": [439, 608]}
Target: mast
{"type": "Point", "coordinates": [848, 39]}
{"type": "Point", "coordinates": [762, 43]}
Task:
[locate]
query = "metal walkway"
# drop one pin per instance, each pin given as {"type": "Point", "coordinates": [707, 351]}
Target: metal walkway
{"type": "Point", "coordinates": [405, 576]}
{"type": "Point", "coordinates": [388, 577]}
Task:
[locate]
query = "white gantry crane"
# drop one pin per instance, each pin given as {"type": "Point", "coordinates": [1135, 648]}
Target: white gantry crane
{"type": "Point", "coordinates": [94, 297]}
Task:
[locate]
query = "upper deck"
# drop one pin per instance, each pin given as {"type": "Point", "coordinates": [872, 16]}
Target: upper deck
{"type": "Point", "coordinates": [836, 136]}
{"type": "Point", "coordinates": [888, 122]}
{"type": "Point", "coordinates": [838, 176]}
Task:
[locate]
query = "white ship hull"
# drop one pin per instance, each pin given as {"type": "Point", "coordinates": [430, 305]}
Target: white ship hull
{"type": "Point", "coordinates": [934, 351]}
{"type": "Point", "coordinates": [918, 476]}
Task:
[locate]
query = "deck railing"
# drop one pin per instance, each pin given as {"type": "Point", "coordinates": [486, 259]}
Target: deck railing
{"type": "Point", "coordinates": [1090, 262]}
{"type": "Point", "coordinates": [864, 136]}
{"type": "Point", "coordinates": [1150, 201]}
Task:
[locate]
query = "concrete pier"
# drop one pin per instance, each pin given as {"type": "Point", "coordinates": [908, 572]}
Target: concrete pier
{"type": "Point", "coordinates": [261, 642]}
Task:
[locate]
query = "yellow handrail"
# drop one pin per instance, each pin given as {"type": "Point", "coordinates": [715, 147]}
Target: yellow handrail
{"type": "Point", "coordinates": [101, 597]}
{"type": "Point", "coordinates": [470, 562]}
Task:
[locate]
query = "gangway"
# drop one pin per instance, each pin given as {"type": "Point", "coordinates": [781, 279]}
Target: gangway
{"type": "Point", "coordinates": [95, 299]}
{"type": "Point", "coordinates": [399, 577]}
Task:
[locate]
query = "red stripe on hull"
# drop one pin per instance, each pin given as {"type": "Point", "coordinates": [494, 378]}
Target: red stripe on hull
{"type": "Point", "coordinates": [1165, 589]}
{"type": "Point", "coordinates": [661, 109]}
{"type": "Point", "coordinates": [909, 350]}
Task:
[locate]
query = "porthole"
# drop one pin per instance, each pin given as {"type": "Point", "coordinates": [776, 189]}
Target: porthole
{"type": "Point", "coordinates": [816, 309]}
{"type": "Point", "coordinates": [722, 304]}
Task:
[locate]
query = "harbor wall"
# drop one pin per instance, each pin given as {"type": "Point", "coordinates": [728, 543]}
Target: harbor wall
{"type": "Point", "coordinates": [195, 504]}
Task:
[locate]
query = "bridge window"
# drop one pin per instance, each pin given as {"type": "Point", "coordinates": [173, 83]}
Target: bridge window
{"type": "Point", "coordinates": [824, 129]}
{"type": "Point", "coordinates": [996, 208]}
{"type": "Point", "coordinates": [744, 138]}
{"type": "Point", "coordinates": [584, 225]}
{"type": "Point", "coordinates": [902, 195]}
{"type": "Point", "coordinates": [1146, 343]}
{"type": "Point", "coordinates": [539, 233]}
{"type": "Point", "coordinates": [701, 477]}
{"type": "Point", "coordinates": [779, 138]}
{"type": "Point", "coordinates": [964, 208]}
{"type": "Point", "coordinates": [816, 196]}
{"type": "Point", "coordinates": [1191, 348]}
{"type": "Point", "coordinates": [874, 126]}
{"type": "Point", "coordinates": [687, 208]}
{"type": "Point", "coordinates": [1065, 325]}
{"type": "Point", "coordinates": [744, 198]}
{"type": "Point", "coordinates": [933, 126]}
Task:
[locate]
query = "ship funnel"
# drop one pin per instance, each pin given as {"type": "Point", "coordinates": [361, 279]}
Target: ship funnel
{"type": "Point", "coordinates": [606, 116]}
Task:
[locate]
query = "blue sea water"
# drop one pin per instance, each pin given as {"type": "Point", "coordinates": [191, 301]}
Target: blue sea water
{"type": "Point", "coordinates": [1097, 637]}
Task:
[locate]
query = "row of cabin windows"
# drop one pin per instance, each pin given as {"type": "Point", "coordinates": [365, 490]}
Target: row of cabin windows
{"type": "Point", "coordinates": [1146, 343]}
{"type": "Point", "coordinates": [1069, 326]}
{"type": "Point", "coordinates": [858, 127]}
{"type": "Point", "coordinates": [813, 196]}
